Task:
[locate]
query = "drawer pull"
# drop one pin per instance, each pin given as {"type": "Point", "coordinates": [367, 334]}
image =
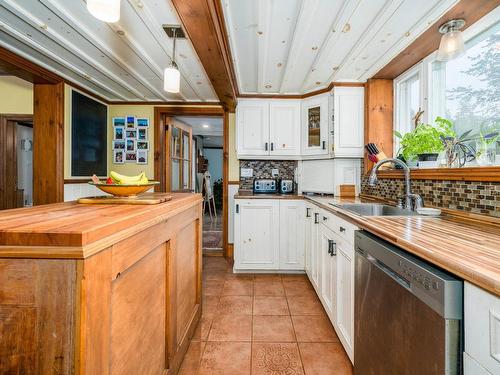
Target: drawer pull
{"type": "Point", "coordinates": [332, 248]}
{"type": "Point", "coordinates": [342, 229]}
{"type": "Point", "coordinates": [316, 218]}
{"type": "Point", "coordinates": [308, 212]}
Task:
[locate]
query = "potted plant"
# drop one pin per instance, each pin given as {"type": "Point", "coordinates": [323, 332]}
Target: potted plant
{"type": "Point", "coordinates": [424, 143]}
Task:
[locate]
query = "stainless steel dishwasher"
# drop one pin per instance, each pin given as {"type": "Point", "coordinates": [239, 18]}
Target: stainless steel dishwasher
{"type": "Point", "coordinates": [408, 313]}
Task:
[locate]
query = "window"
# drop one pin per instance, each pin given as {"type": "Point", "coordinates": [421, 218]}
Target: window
{"type": "Point", "coordinates": [408, 100]}
{"type": "Point", "coordinates": [465, 90]}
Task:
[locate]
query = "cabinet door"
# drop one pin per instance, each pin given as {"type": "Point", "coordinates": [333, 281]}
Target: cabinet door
{"type": "Point", "coordinates": [292, 255]}
{"type": "Point", "coordinates": [327, 243]}
{"type": "Point", "coordinates": [472, 367]}
{"type": "Point", "coordinates": [252, 128]}
{"type": "Point", "coordinates": [344, 323]}
{"type": "Point", "coordinates": [315, 249]}
{"type": "Point", "coordinates": [284, 131]}
{"type": "Point", "coordinates": [314, 126]}
{"type": "Point", "coordinates": [348, 121]}
{"type": "Point", "coordinates": [256, 234]}
{"type": "Point", "coordinates": [309, 222]}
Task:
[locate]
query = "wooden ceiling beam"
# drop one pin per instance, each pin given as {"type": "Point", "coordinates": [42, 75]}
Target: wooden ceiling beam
{"type": "Point", "coordinates": [428, 42]}
{"type": "Point", "coordinates": [204, 25]}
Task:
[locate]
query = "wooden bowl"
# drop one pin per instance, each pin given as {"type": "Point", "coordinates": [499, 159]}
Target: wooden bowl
{"type": "Point", "coordinates": [123, 190]}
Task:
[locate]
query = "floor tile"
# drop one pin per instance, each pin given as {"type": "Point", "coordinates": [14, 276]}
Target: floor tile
{"type": "Point", "coordinates": [235, 305]}
{"type": "Point", "coordinates": [226, 358]}
{"type": "Point", "coordinates": [238, 287]}
{"type": "Point", "coordinates": [266, 305]}
{"type": "Point", "coordinates": [273, 329]}
{"type": "Point", "coordinates": [325, 358]}
{"type": "Point", "coordinates": [305, 305]}
{"type": "Point", "coordinates": [231, 328]}
{"type": "Point", "coordinates": [314, 328]}
{"type": "Point", "coordinates": [276, 359]}
{"type": "Point", "coordinates": [239, 276]}
{"type": "Point", "coordinates": [210, 304]}
{"type": "Point", "coordinates": [203, 328]}
{"type": "Point", "coordinates": [299, 288]}
{"type": "Point", "coordinates": [267, 277]}
{"type": "Point", "coordinates": [269, 288]}
{"type": "Point", "coordinates": [217, 275]}
{"type": "Point", "coordinates": [294, 277]}
{"type": "Point", "coordinates": [212, 287]}
{"type": "Point", "coordinates": [192, 359]}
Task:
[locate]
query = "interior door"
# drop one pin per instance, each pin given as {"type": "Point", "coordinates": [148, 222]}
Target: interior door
{"type": "Point", "coordinates": [179, 155]}
{"type": "Point", "coordinates": [8, 164]}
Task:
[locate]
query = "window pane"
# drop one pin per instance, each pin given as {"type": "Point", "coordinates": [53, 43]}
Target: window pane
{"type": "Point", "coordinates": [466, 90]}
{"type": "Point", "coordinates": [176, 175]}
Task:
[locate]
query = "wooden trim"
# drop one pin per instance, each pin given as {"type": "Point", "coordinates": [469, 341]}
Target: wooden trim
{"type": "Point", "coordinates": [233, 182]}
{"type": "Point", "coordinates": [48, 143]}
{"type": "Point", "coordinates": [159, 103]}
{"type": "Point", "coordinates": [230, 250]}
{"type": "Point", "coordinates": [191, 111]}
{"type": "Point", "coordinates": [428, 42]}
{"type": "Point", "coordinates": [202, 21]}
{"type": "Point", "coordinates": [225, 186]}
{"type": "Point", "coordinates": [76, 180]}
{"type": "Point", "coordinates": [485, 174]}
{"type": "Point", "coordinates": [302, 96]}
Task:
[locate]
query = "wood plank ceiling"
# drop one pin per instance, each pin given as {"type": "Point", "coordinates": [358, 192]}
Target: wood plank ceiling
{"type": "Point", "coordinates": [119, 62]}
{"type": "Point", "coordinates": [292, 47]}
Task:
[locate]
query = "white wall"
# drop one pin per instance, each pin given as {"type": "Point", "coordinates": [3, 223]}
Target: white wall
{"type": "Point", "coordinates": [214, 156]}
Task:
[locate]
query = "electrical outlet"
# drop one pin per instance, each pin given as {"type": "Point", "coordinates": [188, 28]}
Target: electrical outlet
{"type": "Point", "coordinates": [275, 172]}
{"type": "Point", "coordinates": [246, 172]}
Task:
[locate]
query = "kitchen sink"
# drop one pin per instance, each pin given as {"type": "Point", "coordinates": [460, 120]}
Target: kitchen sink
{"type": "Point", "coordinates": [374, 209]}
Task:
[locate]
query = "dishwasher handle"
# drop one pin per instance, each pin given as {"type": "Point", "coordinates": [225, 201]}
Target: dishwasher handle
{"type": "Point", "coordinates": [389, 272]}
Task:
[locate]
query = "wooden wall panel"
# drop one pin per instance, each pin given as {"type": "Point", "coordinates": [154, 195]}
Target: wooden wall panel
{"type": "Point", "coordinates": [8, 164]}
{"type": "Point", "coordinates": [48, 145]}
{"type": "Point", "coordinates": [379, 116]}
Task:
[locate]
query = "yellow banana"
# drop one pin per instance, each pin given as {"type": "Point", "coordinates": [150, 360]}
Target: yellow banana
{"type": "Point", "coordinates": [129, 180]}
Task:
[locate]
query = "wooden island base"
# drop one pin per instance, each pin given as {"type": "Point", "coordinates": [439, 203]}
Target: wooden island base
{"type": "Point", "coordinates": [73, 301]}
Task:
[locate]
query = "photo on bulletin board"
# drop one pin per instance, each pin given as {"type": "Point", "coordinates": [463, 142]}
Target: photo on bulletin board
{"type": "Point", "coordinates": [131, 133]}
{"type": "Point", "coordinates": [142, 122]}
{"type": "Point", "coordinates": [142, 145]}
{"type": "Point", "coordinates": [130, 157]}
{"type": "Point", "coordinates": [142, 134]}
{"type": "Point", "coordinates": [118, 145]}
{"type": "Point", "coordinates": [142, 157]}
{"type": "Point", "coordinates": [131, 122]}
{"type": "Point", "coordinates": [119, 121]}
{"type": "Point", "coordinates": [130, 145]}
{"type": "Point", "coordinates": [119, 133]}
{"type": "Point", "coordinates": [118, 156]}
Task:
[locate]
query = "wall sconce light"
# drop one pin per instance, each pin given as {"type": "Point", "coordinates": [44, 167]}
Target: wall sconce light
{"type": "Point", "coordinates": [452, 41]}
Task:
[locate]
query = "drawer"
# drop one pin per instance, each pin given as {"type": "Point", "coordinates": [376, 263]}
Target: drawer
{"type": "Point", "coordinates": [482, 327]}
{"type": "Point", "coordinates": [340, 226]}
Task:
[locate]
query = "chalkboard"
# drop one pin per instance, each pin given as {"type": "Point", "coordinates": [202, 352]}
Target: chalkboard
{"type": "Point", "coordinates": [88, 136]}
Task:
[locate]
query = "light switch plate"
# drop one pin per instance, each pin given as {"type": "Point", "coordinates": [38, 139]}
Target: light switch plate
{"type": "Point", "coordinates": [275, 172]}
{"type": "Point", "coordinates": [246, 172]}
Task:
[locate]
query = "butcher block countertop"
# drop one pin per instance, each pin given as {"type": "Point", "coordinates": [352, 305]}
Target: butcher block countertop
{"type": "Point", "coordinates": [467, 248]}
{"type": "Point", "coordinates": [77, 231]}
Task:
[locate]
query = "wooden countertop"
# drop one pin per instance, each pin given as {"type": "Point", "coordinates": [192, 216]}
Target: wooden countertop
{"type": "Point", "coordinates": [467, 248]}
{"type": "Point", "coordinates": [72, 230]}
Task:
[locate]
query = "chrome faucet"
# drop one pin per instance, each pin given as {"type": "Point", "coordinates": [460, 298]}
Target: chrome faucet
{"type": "Point", "coordinates": [411, 200]}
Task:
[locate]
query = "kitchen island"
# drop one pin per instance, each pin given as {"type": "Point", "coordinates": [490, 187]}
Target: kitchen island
{"type": "Point", "coordinates": [99, 289]}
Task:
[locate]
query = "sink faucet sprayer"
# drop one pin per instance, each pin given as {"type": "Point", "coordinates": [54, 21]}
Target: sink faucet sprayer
{"type": "Point", "coordinates": [412, 201]}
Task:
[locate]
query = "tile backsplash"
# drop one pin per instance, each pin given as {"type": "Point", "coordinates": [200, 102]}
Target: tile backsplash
{"type": "Point", "coordinates": [263, 169]}
{"type": "Point", "coordinates": [473, 196]}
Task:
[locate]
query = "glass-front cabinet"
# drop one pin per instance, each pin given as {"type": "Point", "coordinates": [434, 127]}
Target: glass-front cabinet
{"type": "Point", "coordinates": [315, 129]}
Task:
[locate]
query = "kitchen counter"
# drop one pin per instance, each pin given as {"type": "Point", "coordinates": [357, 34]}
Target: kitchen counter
{"type": "Point", "coordinates": [100, 289]}
{"type": "Point", "coordinates": [467, 248]}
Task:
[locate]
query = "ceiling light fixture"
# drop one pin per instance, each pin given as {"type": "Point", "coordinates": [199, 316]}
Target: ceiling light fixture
{"type": "Point", "coordinates": [205, 126]}
{"type": "Point", "coordinates": [105, 10]}
{"type": "Point", "coordinates": [452, 41]}
{"type": "Point", "coordinates": [172, 76]}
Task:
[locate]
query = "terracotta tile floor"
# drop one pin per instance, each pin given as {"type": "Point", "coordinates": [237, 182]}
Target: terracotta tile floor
{"type": "Point", "coordinates": [262, 325]}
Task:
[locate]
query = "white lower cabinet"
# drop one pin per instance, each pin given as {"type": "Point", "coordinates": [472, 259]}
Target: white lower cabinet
{"type": "Point", "coordinates": [269, 235]}
{"type": "Point", "coordinates": [330, 268]}
{"type": "Point", "coordinates": [482, 331]}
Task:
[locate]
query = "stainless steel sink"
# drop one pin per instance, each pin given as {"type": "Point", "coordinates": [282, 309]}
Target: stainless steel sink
{"type": "Point", "coordinates": [373, 209]}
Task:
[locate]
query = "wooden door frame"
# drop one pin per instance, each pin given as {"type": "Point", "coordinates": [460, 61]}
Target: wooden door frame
{"type": "Point", "coordinates": [160, 149]}
{"type": "Point", "coordinates": [4, 120]}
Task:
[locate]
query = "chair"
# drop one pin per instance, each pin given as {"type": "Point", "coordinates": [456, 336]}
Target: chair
{"type": "Point", "coordinates": [208, 198]}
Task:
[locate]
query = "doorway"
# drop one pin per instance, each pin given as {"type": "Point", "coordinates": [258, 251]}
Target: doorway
{"type": "Point", "coordinates": [16, 161]}
{"type": "Point", "coordinates": [201, 143]}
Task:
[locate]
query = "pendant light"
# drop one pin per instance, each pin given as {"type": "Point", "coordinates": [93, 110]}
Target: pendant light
{"type": "Point", "coordinates": [105, 10]}
{"type": "Point", "coordinates": [172, 76]}
{"type": "Point", "coordinates": [452, 41]}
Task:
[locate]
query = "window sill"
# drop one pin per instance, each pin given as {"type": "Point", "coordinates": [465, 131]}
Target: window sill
{"type": "Point", "coordinates": [451, 174]}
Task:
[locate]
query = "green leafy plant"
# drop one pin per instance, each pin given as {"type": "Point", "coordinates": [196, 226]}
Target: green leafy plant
{"type": "Point", "coordinates": [424, 139]}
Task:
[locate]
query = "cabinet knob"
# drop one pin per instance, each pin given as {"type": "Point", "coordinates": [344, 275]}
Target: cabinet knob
{"type": "Point", "coordinates": [342, 229]}
{"type": "Point", "coordinates": [325, 218]}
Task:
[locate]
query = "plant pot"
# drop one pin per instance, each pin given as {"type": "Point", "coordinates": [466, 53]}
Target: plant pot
{"type": "Point", "coordinates": [429, 160]}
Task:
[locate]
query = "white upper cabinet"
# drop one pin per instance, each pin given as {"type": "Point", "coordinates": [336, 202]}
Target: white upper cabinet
{"type": "Point", "coordinates": [315, 126]}
{"type": "Point", "coordinates": [252, 128]}
{"type": "Point", "coordinates": [284, 127]}
{"type": "Point", "coordinates": [348, 124]}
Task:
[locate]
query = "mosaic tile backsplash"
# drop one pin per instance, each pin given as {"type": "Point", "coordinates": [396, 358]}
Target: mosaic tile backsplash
{"type": "Point", "coordinates": [263, 168]}
{"type": "Point", "coordinates": [472, 196]}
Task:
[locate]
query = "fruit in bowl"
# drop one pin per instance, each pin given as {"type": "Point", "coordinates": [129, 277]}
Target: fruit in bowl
{"type": "Point", "coordinates": [120, 185]}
